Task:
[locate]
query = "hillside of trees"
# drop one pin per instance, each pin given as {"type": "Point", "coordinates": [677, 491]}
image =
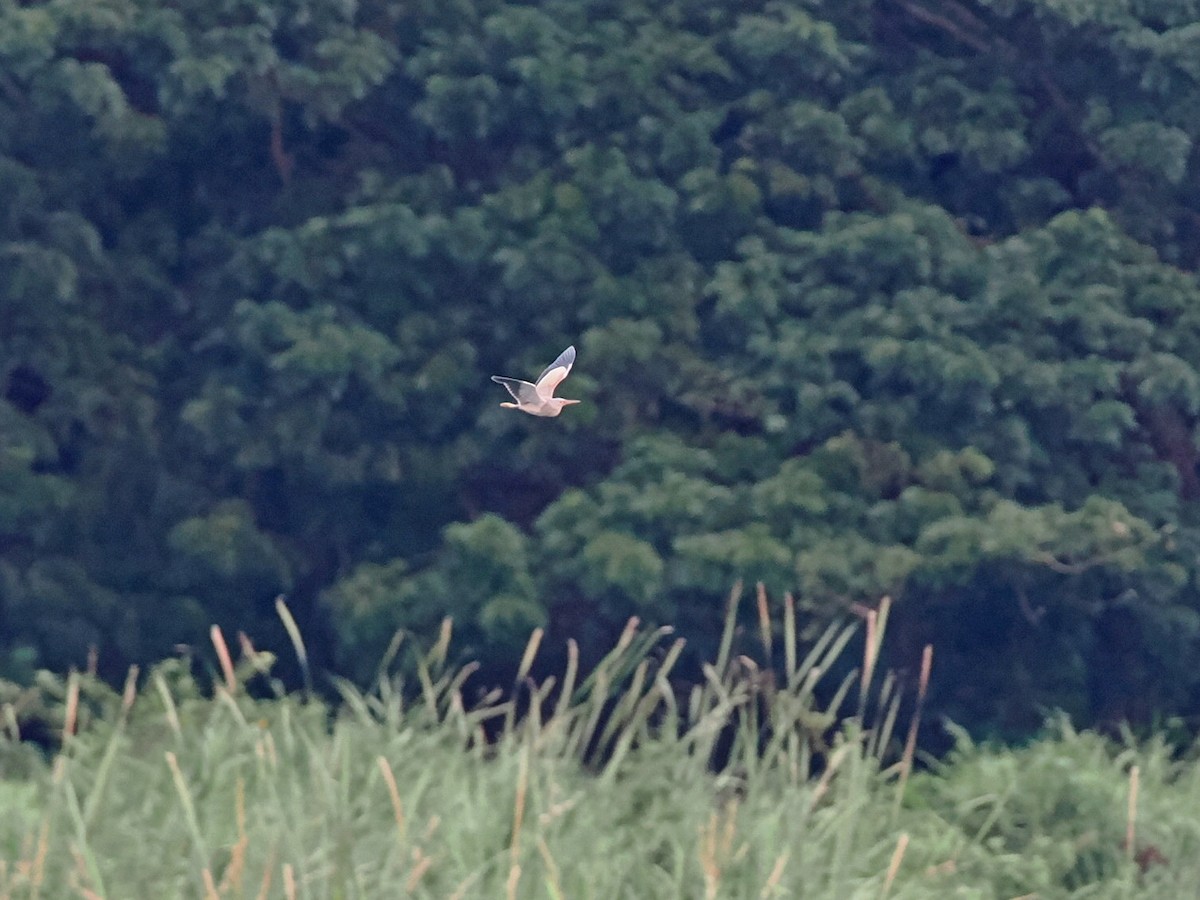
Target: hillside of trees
{"type": "Point", "coordinates": [871, 298]}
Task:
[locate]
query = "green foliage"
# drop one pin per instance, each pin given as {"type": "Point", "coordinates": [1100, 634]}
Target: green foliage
{"type": "Point", "coordinates": [1044, 811]}
{"type": "Point", "coordinates": [482, 579]}
{"type": "Point", "coordinates": [870, 298]}
{"type": "Point", "coordinates": [225, 544]}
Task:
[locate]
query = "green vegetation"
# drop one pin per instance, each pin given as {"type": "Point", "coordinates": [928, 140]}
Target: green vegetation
{"type": "Point", "coordinates": [889, 306]}
{"type": "Point", "coordinates": [872, 297]}
{"type": "Point", "coordinates": [614, 785]}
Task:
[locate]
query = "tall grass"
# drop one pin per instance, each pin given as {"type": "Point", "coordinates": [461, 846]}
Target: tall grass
{"type": "Point", "coordinates": [617, 783]}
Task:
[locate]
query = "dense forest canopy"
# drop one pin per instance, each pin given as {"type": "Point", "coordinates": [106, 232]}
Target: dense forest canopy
{"type": "Point", "coordinates": [870, 297]}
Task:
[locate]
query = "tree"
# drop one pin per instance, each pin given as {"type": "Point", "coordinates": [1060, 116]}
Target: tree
{"type": "Point", "coordinates": [874, 297]}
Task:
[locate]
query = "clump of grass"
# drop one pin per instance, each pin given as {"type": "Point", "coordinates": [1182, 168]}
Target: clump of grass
{"type": "Point", "coordinates": [610, 784]}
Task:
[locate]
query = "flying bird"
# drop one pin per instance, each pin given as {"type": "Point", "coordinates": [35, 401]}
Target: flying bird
{"type": "Point", "coordinates": [538, 398]}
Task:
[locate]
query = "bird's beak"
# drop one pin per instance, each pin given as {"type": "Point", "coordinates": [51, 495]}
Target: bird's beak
{"type": "Point", "coordinates": [569, 402]}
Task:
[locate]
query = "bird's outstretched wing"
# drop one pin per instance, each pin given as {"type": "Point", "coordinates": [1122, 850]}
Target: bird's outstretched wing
{"type": "Point", "coordinates": [554, 373]}
{"type": "Point", "coordinates": [522, 391]}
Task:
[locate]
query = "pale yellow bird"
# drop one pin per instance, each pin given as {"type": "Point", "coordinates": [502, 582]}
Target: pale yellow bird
{"type": "Point", "coordinates": [538, 398]}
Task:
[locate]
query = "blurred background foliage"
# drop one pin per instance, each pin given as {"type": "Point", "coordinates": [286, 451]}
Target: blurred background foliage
{"type": "Point", "coordinates": [871, 297]}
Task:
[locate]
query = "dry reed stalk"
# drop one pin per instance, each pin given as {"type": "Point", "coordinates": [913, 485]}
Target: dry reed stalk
{"type": "Point", "coordinates": [130, 692]}
{"type": "Point", "coordinates": [223, 657]}
{"type": "Point", "coordinates": [531, 649]}
{"type": "Point", "coordinates": [460, 892]}
{"type": "Point", "coordinates": [72, 713]}
{"type": "Point", "coordinates": [772, 883]}
{"type": "Point", "coordinates": [876, 624]}
{"type": "Point", "coordinates": [627, 635]}
{"type": "Point", "coordinates": [394, 792]}
{"type": "Point", "coordinates": [264, 890]}
{"type": "Point", "coordinates": [764, 621]}
{"type": "Point", "coordinates": [894, 865]}
{"type": "Point", "coordinates": [421, 864]}
{"type": "Point", "coordinates": [442, 648]}
{"type": "Point", "coordinates": [431, 827]}
{"type": "Point", "coordinates": [910, 743]}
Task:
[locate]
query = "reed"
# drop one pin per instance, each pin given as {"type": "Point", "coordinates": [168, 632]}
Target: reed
{"type": "Point", "coordinates": [767, 779]}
